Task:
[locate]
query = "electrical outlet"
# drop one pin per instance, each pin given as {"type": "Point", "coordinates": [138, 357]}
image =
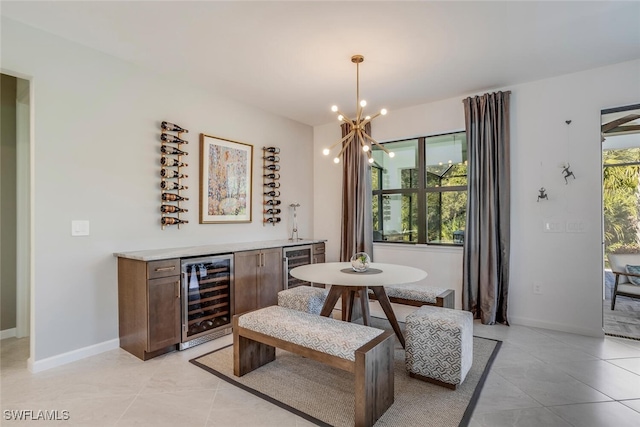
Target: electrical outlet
{"type": "Point", "coordinates": [537, 288]}
{"type": "Point", "coordinates": [79, 228]}
{"type": "Point", "coordinates": [550, 226]}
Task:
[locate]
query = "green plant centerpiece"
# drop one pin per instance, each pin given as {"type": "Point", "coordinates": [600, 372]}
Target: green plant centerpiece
{"type": "Point", "coordinates": [360, 262]}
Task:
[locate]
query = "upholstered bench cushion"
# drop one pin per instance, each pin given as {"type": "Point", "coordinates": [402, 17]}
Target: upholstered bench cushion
{"type": "Point", "coordinates": [629, 288]}
{"type": "Point", "coordinates": [303, 298]}
{"type": "Point", "coordinates": [439, 343]}
{"type": "Point", "coordinates": [340, 339]}
{"type": "Point", "coordinates": [415, 292]}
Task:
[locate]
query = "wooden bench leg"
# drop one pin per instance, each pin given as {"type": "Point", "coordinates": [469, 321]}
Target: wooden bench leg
{"type": "Point", "coordinates": [249, 355]}
{"type": "Point", "coordinates": [374, 377]}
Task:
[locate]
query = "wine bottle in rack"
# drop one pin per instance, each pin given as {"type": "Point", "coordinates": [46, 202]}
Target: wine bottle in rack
{"type": "Point", "coordinates": [170, 197]}
{"type": "Point", "coordinates": [273, 202]}
{"type": "Point", "coordinates": [169, 185]}
{"type": "Point", "coordinates": [172, 209]}
{"type": "Point", "coordinates": [272, 219]}
{"type": "Point", "coordinates": [172, 150]}
{"type": "Point", "coordinates": [166, 161]}
{"type": "Point", "coordinates": [172, 127]}
{"type": "Point", "coordinates": [272, 193]}
{"type": "Point", "coordinates": [272, 184]}
{"type": "Point", "coordinates": [272, 158]}
{"type": "Point", "coordinates": [172, 138]}
{"type": "Point", "coordinates": [273, 167]}
{"type": "Point", "coordinates": [272, 176]}
{"type": "Point", "coordinates": [272, 211]}
{"type": "Point", "coordinates": [274, 150]}
{"type": "Point", "coordinates": [167, 220]}
{"type": "Point", "coordinates": [169, 173]}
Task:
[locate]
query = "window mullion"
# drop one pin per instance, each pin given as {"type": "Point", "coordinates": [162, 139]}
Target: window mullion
{"type": "Point", "coordinates": [422, 195]}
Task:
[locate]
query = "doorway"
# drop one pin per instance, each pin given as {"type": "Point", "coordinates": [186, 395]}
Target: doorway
{"type": "Point", "coordinates": [621, 212]}
{"type": "Point", "coordinates": [16, 215]}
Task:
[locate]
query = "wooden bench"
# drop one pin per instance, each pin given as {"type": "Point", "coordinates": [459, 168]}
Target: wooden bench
{"type": "Point", "coordinates": [366, 352]}
{"type": "Point", "coordinates": [419, 295]}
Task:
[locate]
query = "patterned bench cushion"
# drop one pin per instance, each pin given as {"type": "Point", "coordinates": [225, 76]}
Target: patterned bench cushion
{"type": "Point", "coordinates": [303, 298]}
{"type": "Point", "coordinates": [413, 291]}
{"type": "Point", "coordinates": [319, 333]}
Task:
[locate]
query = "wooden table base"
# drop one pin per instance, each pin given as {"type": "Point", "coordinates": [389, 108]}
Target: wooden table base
{"type": "Point", "coordinates": [349, 293]}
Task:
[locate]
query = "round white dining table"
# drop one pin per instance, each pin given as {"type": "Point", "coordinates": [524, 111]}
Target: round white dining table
{"type": "Point", "coordinates": [347, 284]}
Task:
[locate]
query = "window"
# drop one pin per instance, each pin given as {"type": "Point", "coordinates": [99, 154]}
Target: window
{"type": "Point", "coordinates": [420, 195]}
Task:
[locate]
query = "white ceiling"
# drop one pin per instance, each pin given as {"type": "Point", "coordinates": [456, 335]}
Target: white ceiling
{"type": "Point", "coordinates": [293, 58]}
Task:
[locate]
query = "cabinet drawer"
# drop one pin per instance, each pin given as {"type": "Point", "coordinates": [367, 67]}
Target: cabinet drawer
{"type": "Point", "coordinates": [318, 248]}
{"type": "Point", "coordinates": [164, 268]}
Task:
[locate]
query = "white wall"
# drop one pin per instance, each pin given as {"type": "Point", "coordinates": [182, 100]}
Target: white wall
{"type": "Point", "coordinates": [567, 265]}
{"type": "Point", "coordinates": [97, 157]}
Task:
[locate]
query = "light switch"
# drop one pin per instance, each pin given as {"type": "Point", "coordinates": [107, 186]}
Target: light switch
{"type": "Point", "coordinates": [79, 228]}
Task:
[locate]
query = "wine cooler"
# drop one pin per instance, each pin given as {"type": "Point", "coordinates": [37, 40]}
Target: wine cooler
{"type": "Point", "coordinates": [207, 289]}
{"type": "Point", "coordinates": [295, 256]}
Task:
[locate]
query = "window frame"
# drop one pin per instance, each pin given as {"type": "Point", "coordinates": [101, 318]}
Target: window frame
{"type": "Point", "coordinates": [421, 192]}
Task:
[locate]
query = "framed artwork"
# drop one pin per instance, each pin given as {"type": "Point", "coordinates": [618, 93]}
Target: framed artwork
{"type": "Point", "coordinates": [225, 180]}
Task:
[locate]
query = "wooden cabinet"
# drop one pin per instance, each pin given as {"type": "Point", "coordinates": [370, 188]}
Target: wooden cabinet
{"type": "Point", "coordinates": [257, 279]}
{"type": "Point", "coordinates": [149, 306]}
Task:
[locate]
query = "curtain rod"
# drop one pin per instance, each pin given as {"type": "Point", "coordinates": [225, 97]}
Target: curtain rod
{"type": "Point", "coordinates": [508, 92]}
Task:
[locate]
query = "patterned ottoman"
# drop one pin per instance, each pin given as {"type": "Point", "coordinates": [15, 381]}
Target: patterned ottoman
{"type": "Point", "coordinates": [439, 345]}
{"type": "Point", "coordinates": [303, 298]}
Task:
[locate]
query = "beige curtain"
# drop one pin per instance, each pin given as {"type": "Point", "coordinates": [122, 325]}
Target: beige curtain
{"type": "Point", "coordinates": [486, 252]}
{"type": "Point", "coordinates": [357, 220]}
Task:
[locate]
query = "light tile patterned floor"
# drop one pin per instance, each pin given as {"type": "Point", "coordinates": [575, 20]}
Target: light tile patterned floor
{"type": "Point", "coordinates": [540, 378]}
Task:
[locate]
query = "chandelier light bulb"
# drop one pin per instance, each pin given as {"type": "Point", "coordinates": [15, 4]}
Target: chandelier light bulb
{"type": "Point", "coordinates": [365, 148]}
{"type": "Point", "coordinates": [367, 118]}
{"type": "Point", "coordinates": [392, 155]}
{"type": "Point", "coordinates": [383, 111]}
{"type": "Point", "coordinates": [334, 108]}
{"type": "Point", "coordinates": [370, 159]}
{"type": "Point", "coordinates": [326, 151]}
{"type": "Point", "coordinates": [363, 103]}
{"type": "Point", "coordinates": [340, 117]}
{"type": "Point", "coordinates": [336, 160]}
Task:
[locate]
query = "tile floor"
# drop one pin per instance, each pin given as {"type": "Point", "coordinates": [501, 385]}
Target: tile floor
{"type": "Point", "coordinates": [540, 378]}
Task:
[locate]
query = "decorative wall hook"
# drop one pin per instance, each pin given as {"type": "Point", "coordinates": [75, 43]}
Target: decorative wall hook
{"type": "Point", "coordinates": [567, 173]}
{"type": "Point", "coordinates": [542, 194]}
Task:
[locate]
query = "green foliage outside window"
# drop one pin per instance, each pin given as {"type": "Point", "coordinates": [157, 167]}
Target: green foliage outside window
{"type": "Point", "coordinates": [621, 199]}
{"type": "Point", "coordinates": [420, 195]}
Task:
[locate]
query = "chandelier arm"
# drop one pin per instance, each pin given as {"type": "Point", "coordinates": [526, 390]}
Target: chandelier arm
{"type": "Point", "coordinates": [376, 142]}
{"type": "Point", "coordinates": [370, 119]}
{"type": "Point", "coordinates": [341, 140]}
{"type": "Point", "coordinates": [344, 116]}
{"type": "Point", "coordinates": [361, 135]}
{"type": "Point", "coordinates": [344, 147]}
{"type": "Point", "coordinates": [359, 110]}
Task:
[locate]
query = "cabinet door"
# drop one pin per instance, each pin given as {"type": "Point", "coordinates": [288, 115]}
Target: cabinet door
{"type": "Point", "coordinates": [271, 281]}
{"type": "Point", "coordinates": [164, 312]}
{"type": "Point", "coordinates": [246, 267]}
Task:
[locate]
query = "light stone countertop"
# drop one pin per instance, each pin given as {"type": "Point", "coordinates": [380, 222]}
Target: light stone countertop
{"type": "Point", "coordinates": [223, 248]}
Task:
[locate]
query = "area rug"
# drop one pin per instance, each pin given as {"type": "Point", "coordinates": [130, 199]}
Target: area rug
{"type": "Point", "coordinates": [324, 395]}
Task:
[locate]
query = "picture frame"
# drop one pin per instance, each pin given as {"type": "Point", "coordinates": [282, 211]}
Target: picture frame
{"type": "Point", "coordinates": [226, 179]}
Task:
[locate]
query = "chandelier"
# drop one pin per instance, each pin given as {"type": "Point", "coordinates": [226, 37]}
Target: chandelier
{"type": "Point", "coordinates": [357, 133]}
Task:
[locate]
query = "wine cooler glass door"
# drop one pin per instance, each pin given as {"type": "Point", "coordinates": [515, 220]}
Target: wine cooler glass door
{"type": "Point", "coordinates": [294, 257]}
{"type": "Point", "coordinates": [206, 305]}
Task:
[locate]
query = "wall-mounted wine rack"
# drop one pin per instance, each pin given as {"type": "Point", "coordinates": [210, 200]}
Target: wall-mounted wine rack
{"type": "Point", "coordinates": [271, 178]}
{"type": "Point", "coordinates": [171, 174]}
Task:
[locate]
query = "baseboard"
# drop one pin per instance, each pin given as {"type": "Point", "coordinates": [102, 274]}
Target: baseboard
{"type": "Point", "coordinates": [8, 333]}
{"type": "Point", "coordinates": [72, 356]}
{"type": "Point", "coordinates": [561, 327]}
